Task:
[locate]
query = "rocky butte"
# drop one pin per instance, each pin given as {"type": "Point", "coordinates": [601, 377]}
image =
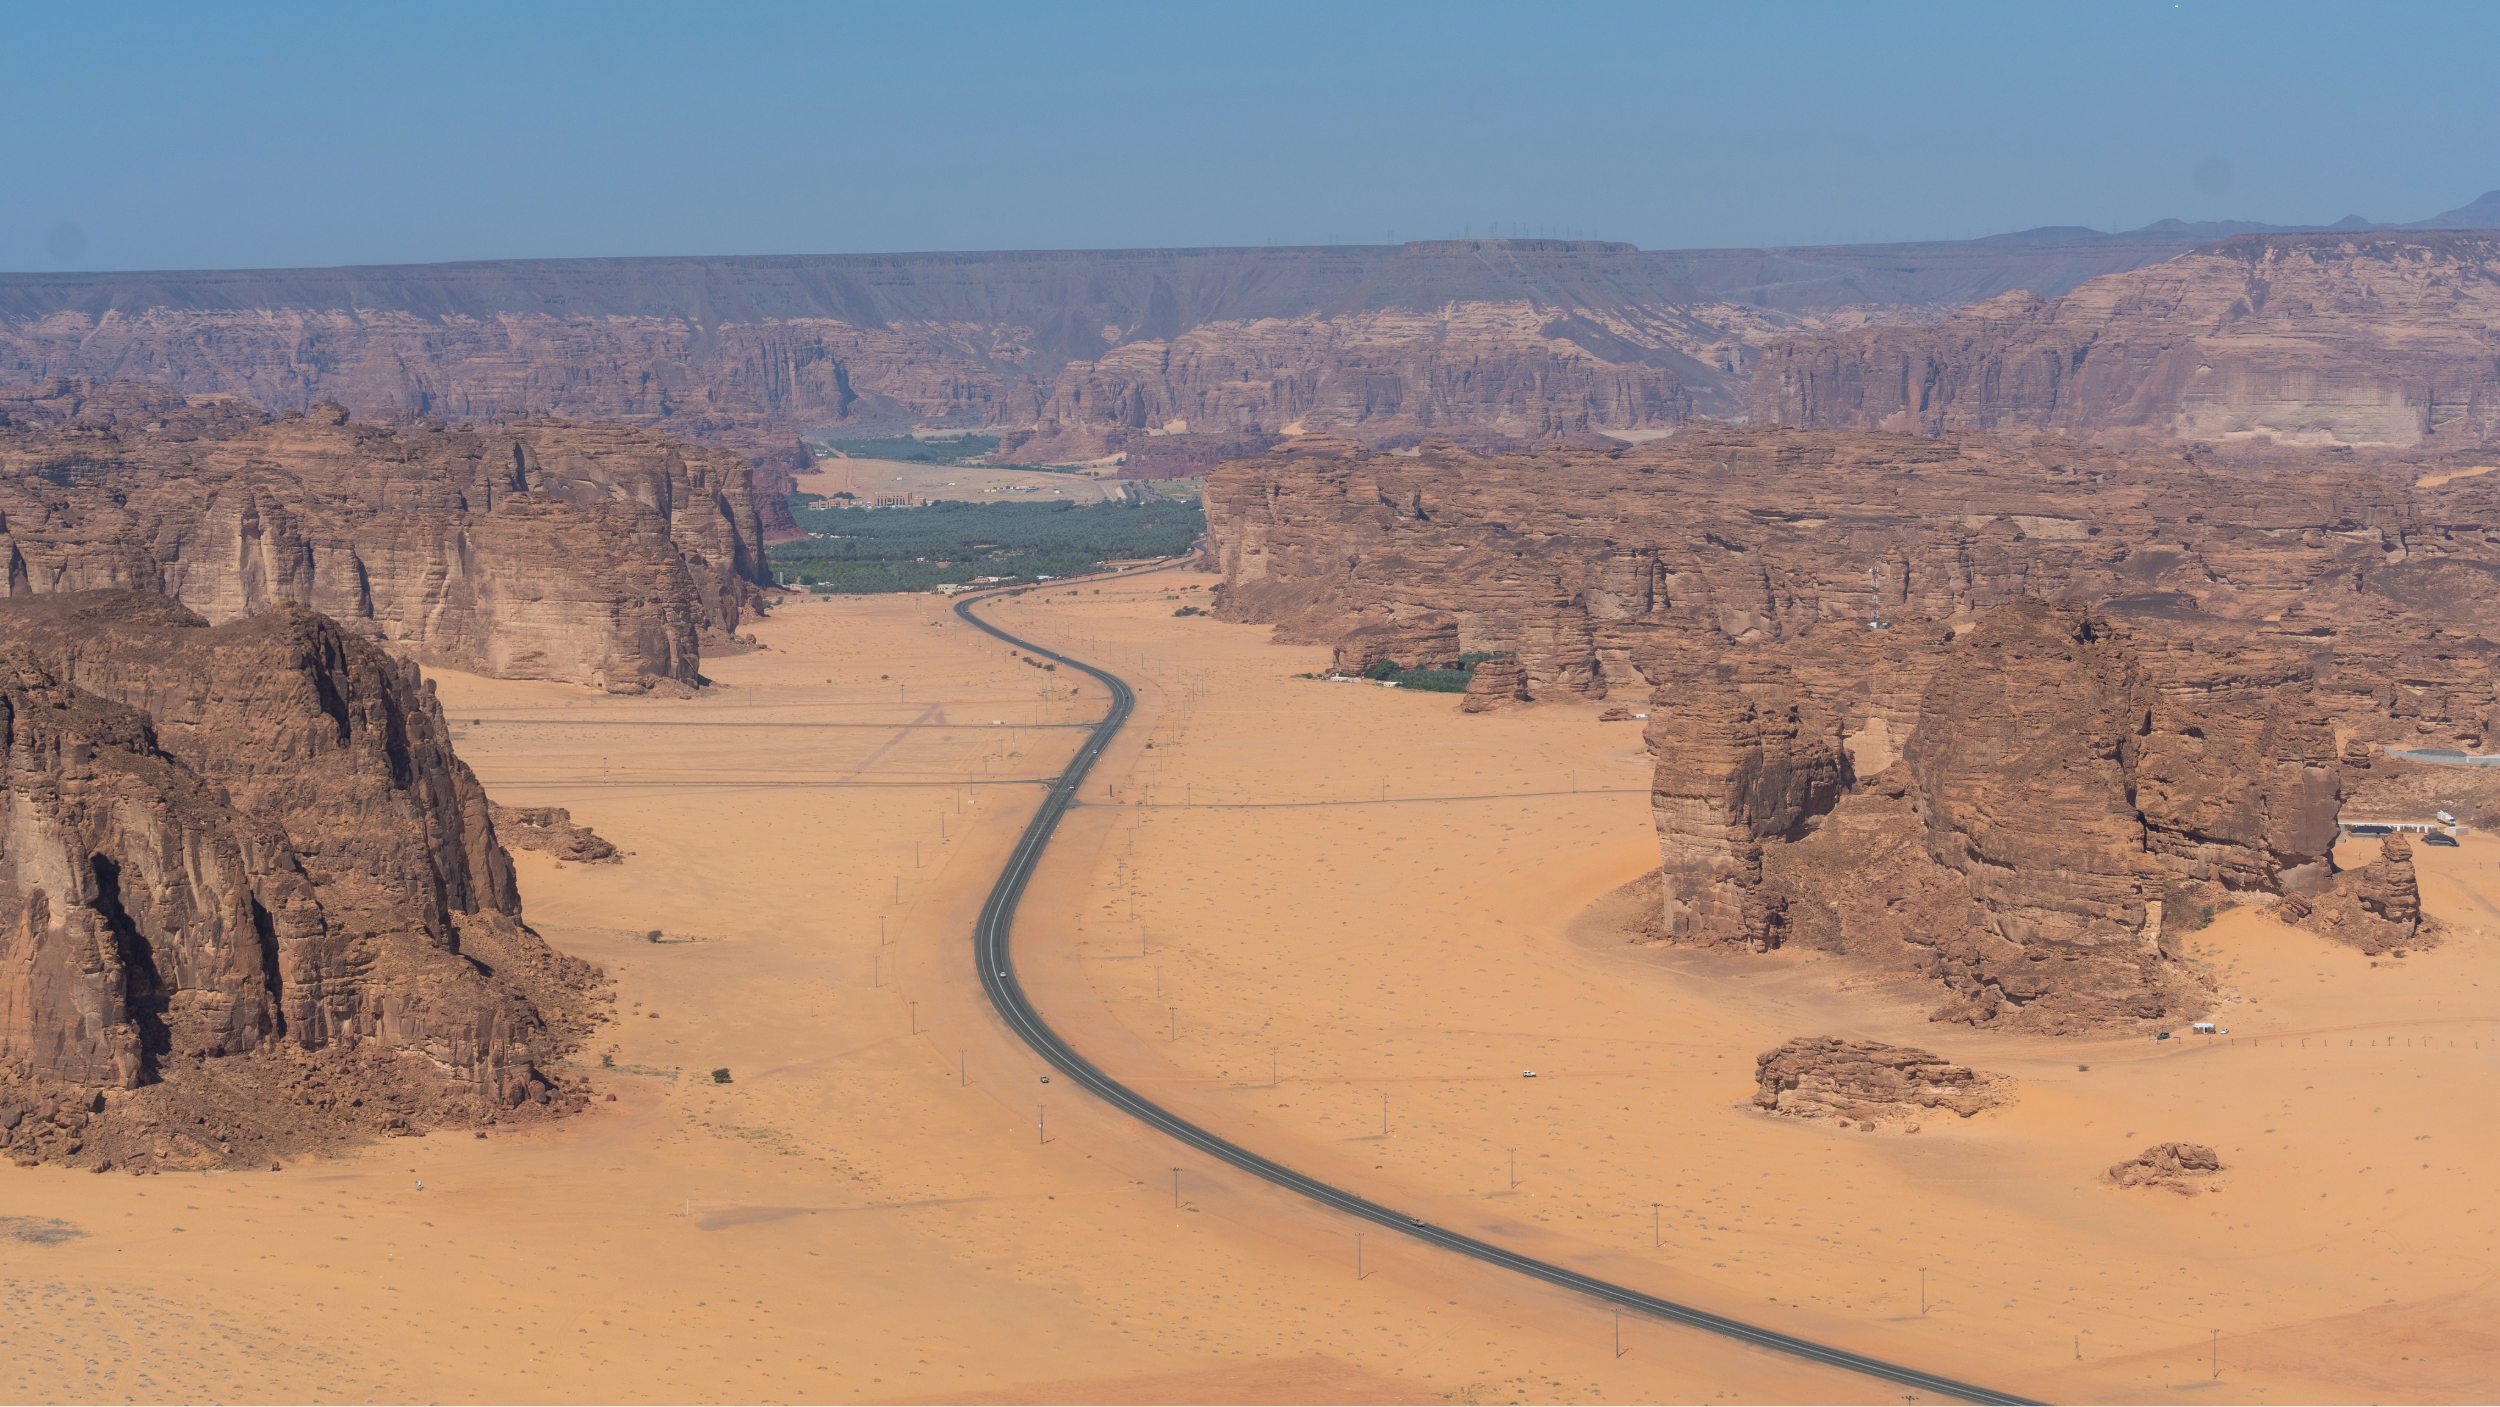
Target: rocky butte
{"type": "Point", "coordinates": [545, 549]}
{"type": "Point", "coordinates": [2105, 688]}
{"type": "Point", "coordinates": [250, 902]}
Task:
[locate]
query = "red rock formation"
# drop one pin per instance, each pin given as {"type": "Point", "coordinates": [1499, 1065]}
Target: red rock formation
{"type": "Point", "coordinates": [1085, 350]}
{"type": "Point", "coordinates": [1606, 570]}
{"type": "Point", "coordinates": [246, 852]}
{"type": "Point", "coordinates": [1750, 767]}
{"type": "Point", "coordinates": [542, 549]}
{"type": "Point", "coordinates": [2379, 338]}
{"type": "Point", "coordinates": [551, 828]}
{"type": "Point", "coordinates": [1822, 1077]}
{"type": "Point", "coordinates": [2184, 1168]}
{"type": "Point", "coordinates": [2376, 908]}
{"type": "Point", "coordinates": [2001, 793]}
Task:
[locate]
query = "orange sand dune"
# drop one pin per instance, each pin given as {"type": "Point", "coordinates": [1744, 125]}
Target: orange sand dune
{"type": "Point", "coordinates": [1368, 894]}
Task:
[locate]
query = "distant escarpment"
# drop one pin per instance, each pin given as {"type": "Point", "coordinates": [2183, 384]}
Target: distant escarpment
{"type": "Point", "coordinates": [1168, 356]}
{"type": "Point", "coordinates": [2106, 689]}
{"type": "Point", "coordinates": [2383, 339]}
{"type": "Point", "coordinates": [542, 549]}
{"type": "Point", "coordinates": [252, 902]}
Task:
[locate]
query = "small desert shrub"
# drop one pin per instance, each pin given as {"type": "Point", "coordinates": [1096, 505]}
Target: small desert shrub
{"type": "Point", "coordinates": [721, 1076]}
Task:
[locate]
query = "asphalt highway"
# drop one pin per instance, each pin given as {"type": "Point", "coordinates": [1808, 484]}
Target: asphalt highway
{"type": "Point", "coordinates": [998, 976]}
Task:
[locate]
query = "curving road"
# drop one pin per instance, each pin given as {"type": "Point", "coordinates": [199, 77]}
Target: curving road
{"type": "Point", "coordinates": [998, 977]}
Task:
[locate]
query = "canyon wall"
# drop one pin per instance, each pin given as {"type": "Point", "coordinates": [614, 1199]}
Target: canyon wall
{"type": "Point", "coordinates": [1080, 353]}
{"type": "Point", "coordinates": [2380, 340]}
{"type": "Point", "coordinates": [236, 854]}
{"type": "Point", "coordinates": [2104, 686]}
{"type": "Point", "coordinates": [597, 554]}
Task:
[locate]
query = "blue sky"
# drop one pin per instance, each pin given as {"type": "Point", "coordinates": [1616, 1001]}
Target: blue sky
{"type": "Point", "coordinates": [256, 136]}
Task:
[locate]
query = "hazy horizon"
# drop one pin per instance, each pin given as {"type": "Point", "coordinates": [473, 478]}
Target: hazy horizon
{"type": "Point", "coordinates": [581, 132]}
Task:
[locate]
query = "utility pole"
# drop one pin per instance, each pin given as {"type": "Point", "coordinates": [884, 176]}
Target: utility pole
{"type": "Point", "coordinates": [1176, 1187]}
{"type": "Point", "coordinates": [1514, 1170]}
{"type": "Point", "coordinates": [961, 1079]}
{"type": "Point", "coordinates": [1384, 1113]}
{"type": "Point", "coordinates": [1618, 1333]}
{"type": "Point", "coordinates": [915, 1017]}
{"type": "Point", "coordinates": [1922, 1289]}
{"type": "Point", "coordinates": [1041, 1122]}
{"type": "Point", "coordinates": [1271, 1068]}
{"type": "Point", "coordinates": [1657, 1231]}
{"type": "Point", "coordinates": [1358, 1255]}
{"type": "Point", "coordinates": [2213, 1357]}
{"type": "Point", "coordinates": [1176, 1021]}
{"type": "Point", "coordinates": [876, 972]}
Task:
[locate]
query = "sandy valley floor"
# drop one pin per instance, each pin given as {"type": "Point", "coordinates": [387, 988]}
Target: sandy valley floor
{"type": "Point", "coordinates": [1333, 922]}
{"type": "Point", "coordinates": [977, 483]}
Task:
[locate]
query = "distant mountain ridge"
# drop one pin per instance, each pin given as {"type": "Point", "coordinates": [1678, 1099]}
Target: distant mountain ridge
{"type": "Point", "coordinates": [2339, 340]}
{"type": "Point", "coordinates": [2480, 213]}
{"type": "Point", "coordinates": [1175, 356]}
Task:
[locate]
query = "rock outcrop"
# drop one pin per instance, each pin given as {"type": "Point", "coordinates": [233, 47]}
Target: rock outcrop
{"type": "Point", "coordinates": [1868, 1083]}
{"type": "Point", "coordinates": [551, 828]}
{"type": "Point", "coordinates": [2184, 1168]}
{"type": "Point", "coordinates": [596, 554]}
{"type": "Point", "coordinates": [2106, 686]}
{"type": "Point", "coordinates": [2336, 339]}
{"type": "Point", "coordinates": [241, 860]}
{"type": "Point", "coordinates": [2376, 907]}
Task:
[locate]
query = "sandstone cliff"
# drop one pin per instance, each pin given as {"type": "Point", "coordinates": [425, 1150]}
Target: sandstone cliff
{"type": "Point", "coordinates": [537, 549]}
{"type": "Point", "coordinates": [1606, 570]}
{"type": "Point", "coordinates": [2382, 339]}
{"type": "Point", "coordinates": [1081, 351]}
{"type": "Point", "coordinates": [2109, 686]}
{"type": "Point", "coordinates": [241, 860]}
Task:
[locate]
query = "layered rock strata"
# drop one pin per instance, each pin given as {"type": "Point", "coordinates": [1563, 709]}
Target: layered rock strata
{"type": "Point", "coordinates": [2380, 339]}
{"type": "Point", "coordinates": [1868, 1082]}
{"type": "Point", "coordinates": [1166, 355]}
{"type": "Point", "coordinates": [243, 859]}
{"type": "Point", "coordinates": [2106, 687]}
{"type": "Point", "coordinates": [596, 554]}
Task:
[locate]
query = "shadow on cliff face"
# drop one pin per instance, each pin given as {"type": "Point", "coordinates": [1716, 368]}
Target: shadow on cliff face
{"type": "Point", "coordinates": [253, 903]}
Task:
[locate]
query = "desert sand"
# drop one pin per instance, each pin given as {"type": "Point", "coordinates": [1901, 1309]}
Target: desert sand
{"type": "Point", "coordinates": [975, 483]}
{"type": "Point", "coordinates": [1335, 923]}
